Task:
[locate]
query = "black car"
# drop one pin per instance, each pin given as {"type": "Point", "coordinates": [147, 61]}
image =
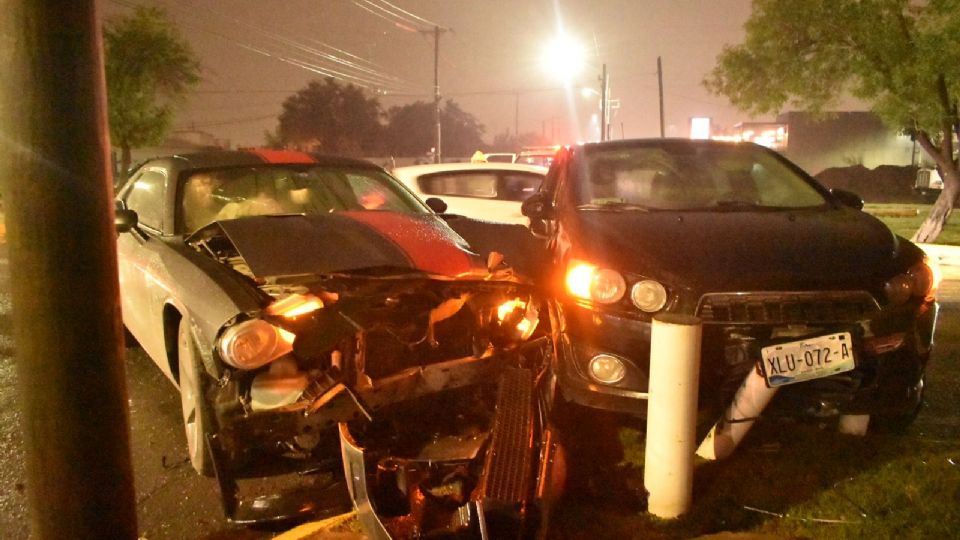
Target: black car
{"type": "Point", "coordinates": [778, 268]}
{"type": "Point", "coordinates": [318, 318]}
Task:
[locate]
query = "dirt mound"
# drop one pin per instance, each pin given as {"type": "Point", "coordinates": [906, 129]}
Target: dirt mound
{"type": "Point", "coordinates": [885, 184]}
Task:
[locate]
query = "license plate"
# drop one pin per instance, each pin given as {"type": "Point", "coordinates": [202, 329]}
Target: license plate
{"type": "Point", "coordinates": [810, 358]}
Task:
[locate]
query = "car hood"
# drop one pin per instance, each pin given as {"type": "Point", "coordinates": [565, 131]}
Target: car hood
{"type": "Point", "coordinates": [283, 245]}
{"type": "Point", "coordinates": [830, 248]}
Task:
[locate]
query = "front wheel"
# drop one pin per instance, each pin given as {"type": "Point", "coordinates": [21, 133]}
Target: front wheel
{"type": "Point", "coordinates": [899, 423]}
{"type": "Point", "coordinates": [196, 415]}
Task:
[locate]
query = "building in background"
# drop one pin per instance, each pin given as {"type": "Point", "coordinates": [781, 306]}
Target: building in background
{"type": "Point", "coordinates": [836, 139]}
{"type": "Point", "coordinates": [842, 139]}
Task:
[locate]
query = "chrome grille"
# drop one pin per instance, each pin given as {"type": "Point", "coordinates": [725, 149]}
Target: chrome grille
{"type": "Point", "coordinates": [786, 307]}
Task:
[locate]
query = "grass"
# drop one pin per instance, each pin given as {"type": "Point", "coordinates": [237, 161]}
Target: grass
{"type": "Point", "coordinates": [795, 479]}
{"type": "Point", "coordinates": [906, 226]}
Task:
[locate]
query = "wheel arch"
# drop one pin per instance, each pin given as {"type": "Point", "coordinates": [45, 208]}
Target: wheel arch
{"type": "Point", "coordinates": [171, 331]}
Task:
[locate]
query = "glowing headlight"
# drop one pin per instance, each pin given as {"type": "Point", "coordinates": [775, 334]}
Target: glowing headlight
{"type": "Point", "coordinates": [295, 305]}
{"type": "Point", "coordinates": [253, 343]}
{"type": "Point", "coordinates": [607, 369]}
{"type": "Point", "coordinates": [522, 315]}
{"type": "Point", "coordinates": [921, 280]}
{"type": "Point", "coordinates": [648, 295]}
{"type": "Point", "coordinates": [602, 285]}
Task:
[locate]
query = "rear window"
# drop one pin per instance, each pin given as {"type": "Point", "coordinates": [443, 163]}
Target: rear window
{"type": "Point", "coordinates": [499, 185]}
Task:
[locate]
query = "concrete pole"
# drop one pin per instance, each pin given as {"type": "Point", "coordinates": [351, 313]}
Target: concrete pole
{"type": "Point", "coordinates": [437, 155]}
{"type": "Point", "coordinates": [672, 414]}
{"type": "Point", "coordinates": [751, 398]}
{"type": "Point", "coordinates": [55, 171]}
{"type": "Point", "coordinates": [604, 102]}
{"type": "Point", "coordinates": [660, 93]}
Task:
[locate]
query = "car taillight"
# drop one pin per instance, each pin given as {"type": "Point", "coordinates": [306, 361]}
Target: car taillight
{"type": "Point", "coordinates": [921, 280]}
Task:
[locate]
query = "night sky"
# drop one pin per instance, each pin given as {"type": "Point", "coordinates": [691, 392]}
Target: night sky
{"type": "Point", "coordinates": [255, 53]}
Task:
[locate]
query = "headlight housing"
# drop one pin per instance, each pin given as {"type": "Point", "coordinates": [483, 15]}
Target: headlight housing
{"type": "Point", "coordinates": [648, 295]}
{"type": "Point", "coordinates": [251, 344]}
{"type": "Point", "coordinates": [607, 369]}
{"type": "Point", "coordinates": [589, 282]}
{"type": "Point", "coordinates": [920, 281]}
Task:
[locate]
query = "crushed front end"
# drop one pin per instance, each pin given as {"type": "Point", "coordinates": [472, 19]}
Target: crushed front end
{"type": "Point", "coordinates": [435, 384]}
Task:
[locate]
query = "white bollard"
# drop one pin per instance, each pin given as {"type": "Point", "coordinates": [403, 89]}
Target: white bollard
{"type": "Point", "coordinates": [750, 400]}
{"type": "Point", "coordinates": [853, 424]}
{"type": "Point", "coordinates": [672, 414]}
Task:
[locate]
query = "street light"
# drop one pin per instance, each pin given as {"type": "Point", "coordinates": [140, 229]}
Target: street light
{"type": "Point", "coordinates": [563, 58]}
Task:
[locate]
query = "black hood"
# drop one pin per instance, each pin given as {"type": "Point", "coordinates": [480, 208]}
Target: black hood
{"type": "Point", "coordinates": [804, 249]}
{"type": "Point", "coordinates": [347, 242]}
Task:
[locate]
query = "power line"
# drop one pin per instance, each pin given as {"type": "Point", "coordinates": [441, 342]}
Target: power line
{"type": "Point", "coordinates": [295, 45]}
{"type": "Point", "coordinates": [421, 19]}
{"type": "Point", "coordinates": [396, 23]}
{"type": "Point", "coordinates": [368, 78]}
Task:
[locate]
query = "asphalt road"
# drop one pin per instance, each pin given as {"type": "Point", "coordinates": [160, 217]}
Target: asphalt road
{"type": "Point", "coordinates": [173, 502]}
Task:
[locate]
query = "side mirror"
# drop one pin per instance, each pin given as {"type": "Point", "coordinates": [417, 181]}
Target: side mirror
{"type": "Point", "coordinates": [848, 198]}
{"type": "Point", "coordinates": [537, 207]}
{"type": "Point", "coordinates": [124, 220]}
{"type": "Point", "coordinates": [437, 205]}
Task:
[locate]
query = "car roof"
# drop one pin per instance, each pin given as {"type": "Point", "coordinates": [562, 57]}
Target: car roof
{"type": "Point", "coordinates": [213, 159]}
{"type": "Point", "coordinates": [412, 171]}
{"type": "Point", "coordinates": [660, 142]}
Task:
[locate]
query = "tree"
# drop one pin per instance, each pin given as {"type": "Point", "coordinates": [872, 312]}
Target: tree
{"type": "Point", "coordinates": [900, 56]}
{"type": "Point", "coordinates": [411, 130]}
{"type": "Point", "coordinates": [331, 118]}
{"type": "Point", "coordinates": [149, 68]}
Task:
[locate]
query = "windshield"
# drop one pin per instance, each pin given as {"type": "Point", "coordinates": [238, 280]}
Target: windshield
{"type": "Point", "coordinates": [684, 176]}
{"type": "Point", "coordinates": [254, 191]}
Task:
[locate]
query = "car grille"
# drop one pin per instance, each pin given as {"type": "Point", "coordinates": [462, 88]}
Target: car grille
{"type": "Point", "coordinates": [786, 307]}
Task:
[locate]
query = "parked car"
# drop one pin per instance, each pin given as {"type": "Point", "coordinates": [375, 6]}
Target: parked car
{"type": "Point", "coordinates": [487, 191]}
{"type": "Point", "coordinates": [783, 273]}
{"type": "Point", "coordinates": [303, 303]}
{"type": "Point", "coordinates": [537, 155]}
{"type": "Point", "coordinates": [928, 184]}
{"type": "Point", "coordinates": [500, 157]}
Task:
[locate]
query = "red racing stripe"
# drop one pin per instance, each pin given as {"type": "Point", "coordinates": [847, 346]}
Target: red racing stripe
{"type": "Point", "coordinates": [281, 156]}
{"type": "Point", "coordinates": [430, 246]}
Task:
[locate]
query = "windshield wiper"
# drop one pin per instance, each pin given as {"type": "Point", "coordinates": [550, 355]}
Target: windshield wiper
{"type": "Point", "coordinates": [614, 207]}
{"type": "Point", "coordinates": [737, 203]}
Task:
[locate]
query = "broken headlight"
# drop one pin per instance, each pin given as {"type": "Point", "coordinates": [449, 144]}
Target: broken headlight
{"type": "Point", "coordinates": [518, 318]}
{"type": "Point", "coordinates": [254, 343]}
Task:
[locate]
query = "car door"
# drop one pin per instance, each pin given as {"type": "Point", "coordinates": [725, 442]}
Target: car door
{"type": "Point", "coordinates": [143, 290]}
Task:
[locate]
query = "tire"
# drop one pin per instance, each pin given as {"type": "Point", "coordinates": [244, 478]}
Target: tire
{"type": "Point", "coordinates": [196, 413]}
{"type": "Point", "coordinates": [898, 424]}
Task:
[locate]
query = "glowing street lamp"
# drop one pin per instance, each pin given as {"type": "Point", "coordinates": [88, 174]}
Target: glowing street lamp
{"type": "Point", "coordinates": [564, 58]}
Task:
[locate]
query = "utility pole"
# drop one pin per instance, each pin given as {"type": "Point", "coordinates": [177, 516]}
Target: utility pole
{"type": "Point", "coordinates": [437, 154]}
{"type": "Point", "coordinates": [604, 103]}
{"type": "Point", "coordinates": [55, 167]}
{"type": "Point", "coordinates": [516, 118]}
{"type": "Point", "coordinates": [660, 86]}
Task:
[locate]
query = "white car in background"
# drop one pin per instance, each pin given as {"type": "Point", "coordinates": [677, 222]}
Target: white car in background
{"type": "Point", "coordinates": [486, 191]}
